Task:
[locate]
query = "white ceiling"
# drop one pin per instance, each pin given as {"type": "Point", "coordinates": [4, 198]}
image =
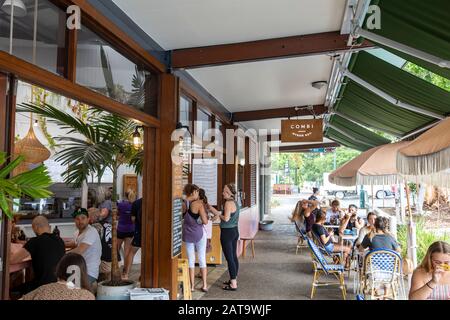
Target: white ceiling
{"type": "Point", "coordinates": [266, 84]}
{"type": "Point", "coordinates": [176, 24]}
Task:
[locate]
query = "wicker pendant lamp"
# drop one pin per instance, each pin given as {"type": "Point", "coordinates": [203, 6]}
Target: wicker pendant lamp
{"type": "Point", "coordinates": [32, 149]}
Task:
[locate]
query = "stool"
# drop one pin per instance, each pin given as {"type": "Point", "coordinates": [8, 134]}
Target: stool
{"type": "Point", "coordinates": [183, 277]}
{"type": "Point", "coordinates": [245, 244]}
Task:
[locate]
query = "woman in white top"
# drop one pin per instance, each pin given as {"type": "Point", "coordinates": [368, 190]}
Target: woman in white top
{"type": "Point", "coordinates": [370, 227]}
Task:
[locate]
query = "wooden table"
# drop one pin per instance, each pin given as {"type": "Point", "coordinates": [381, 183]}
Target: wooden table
{"type": "Point", "coordinates": [24, 264]}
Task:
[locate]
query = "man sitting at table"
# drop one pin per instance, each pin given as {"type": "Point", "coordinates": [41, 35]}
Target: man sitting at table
{"type": "Point", "coordinates": [87, 243]}
{"type": "Point", "coordinates": [46, 249]}
{"type": "Point", "coordinates": [334, 214]}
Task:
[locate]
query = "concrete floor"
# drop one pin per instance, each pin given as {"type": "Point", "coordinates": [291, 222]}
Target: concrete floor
{"type": "Point", "coordinates": [276, 272]}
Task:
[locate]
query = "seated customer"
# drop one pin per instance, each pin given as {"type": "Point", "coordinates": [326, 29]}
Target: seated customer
{"type": "Point", "coordinates": [334, 214]}
{"type": "Point", "coordinates": [45, 250]}
{"type": "Point", "coordinates": [351, 220]}
{"type": "Point", "coordinates": [369, 228]}
{"type": "Point", "coordinates": [87, 243]}
{"type": "Point", "coordinates": [304, 214]}
{"type": "Point", "coordinates": [381, 238]}
{"type": "Point", "coordinates": [431, 280]}
{"type": "Point", "coordinates": [65, 289]}
{"type": "Point", "coordinates": [327, 237]}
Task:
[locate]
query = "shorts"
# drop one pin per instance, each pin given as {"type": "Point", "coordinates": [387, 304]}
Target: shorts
{"type": "Point", "coordinates": [329, 247]}
{"type": "Point", "coordinates": [123, 235]}
{"type": "Point", "coordinates": [136, 240]}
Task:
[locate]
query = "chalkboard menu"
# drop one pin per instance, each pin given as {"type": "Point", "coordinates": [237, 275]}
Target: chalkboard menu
{"type": "Point", "coordinates": [177, 209]}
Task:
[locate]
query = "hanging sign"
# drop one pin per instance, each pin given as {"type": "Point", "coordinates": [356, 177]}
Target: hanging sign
{"type": "Point", "coordinates": [310, 130]}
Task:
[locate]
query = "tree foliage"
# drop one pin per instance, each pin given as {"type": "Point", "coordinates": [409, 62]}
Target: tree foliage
{"type": "Point", "coordinates": [309, 166]}
{"type": "Point", "coordinates": [426, 75]}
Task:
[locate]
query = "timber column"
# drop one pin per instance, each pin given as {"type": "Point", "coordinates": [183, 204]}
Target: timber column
{"type": "Point", "coordinates": [168, 111]}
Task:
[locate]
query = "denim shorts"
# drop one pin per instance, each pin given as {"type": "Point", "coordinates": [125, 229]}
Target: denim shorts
{"type": "Point", "coordinates": [329, 247]}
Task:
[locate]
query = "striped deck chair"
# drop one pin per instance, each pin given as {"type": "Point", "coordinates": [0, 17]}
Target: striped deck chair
{"type": "Point", "coordinates": [322, 267]}
{"type": "Point", "coordinates": [301, 237]}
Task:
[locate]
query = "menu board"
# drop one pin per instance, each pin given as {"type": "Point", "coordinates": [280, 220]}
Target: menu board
{"type": "Point", "coordinates": [204, 175]}
{"type": "Point", "coordinates": [177, 209]}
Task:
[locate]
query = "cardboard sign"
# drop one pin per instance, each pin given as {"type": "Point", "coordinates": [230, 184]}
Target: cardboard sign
{"type": "Point", "coordinates": [310, 130]}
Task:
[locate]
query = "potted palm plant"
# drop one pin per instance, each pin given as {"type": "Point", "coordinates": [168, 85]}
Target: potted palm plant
{"type": "Point", "coordinates": [88, 148]}
{"type": "Point", "coordinates": [33, 183]}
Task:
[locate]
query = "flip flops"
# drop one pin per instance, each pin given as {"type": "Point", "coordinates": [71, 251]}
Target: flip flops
{"type": "Point", "coordinates": [229, 288]}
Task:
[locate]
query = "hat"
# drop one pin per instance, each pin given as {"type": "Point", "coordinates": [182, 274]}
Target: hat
{"type": "Point", "coordinates": [79, 211]}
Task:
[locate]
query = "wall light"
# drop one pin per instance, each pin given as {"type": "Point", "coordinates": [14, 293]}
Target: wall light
{"type": "Point", "coordinates": [137, 139]}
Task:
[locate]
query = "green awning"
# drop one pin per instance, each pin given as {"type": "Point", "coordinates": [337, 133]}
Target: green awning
{"type": "Point", "coordinates": [423, 25]}
{"type": "Point", "coordinates": [371, 110]}
{"type": "Point", "coordinates": [375, 112]}
{"type": "Point", "coordinates": [345, 141]}
{"type": "Point", "coordinates": [353, 135]}
{"type": "Point", "coordinates": [401, 84]}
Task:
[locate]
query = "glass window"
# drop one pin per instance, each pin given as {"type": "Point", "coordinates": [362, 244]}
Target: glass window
{"type": "Point", "coordinates": [48, 51]}
{"type": "Point", "coordinates": [203, 124]}
{"type": "Point", "coordinates": [186, 112]}
{"type": "Point", "coordinates": [103, 69]}
{"type": "Point", "coordinates": [48, 139]}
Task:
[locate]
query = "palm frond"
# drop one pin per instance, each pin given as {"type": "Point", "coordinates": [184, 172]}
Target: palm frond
{"type": "Point", "coordinates": [61, 118]}
{"type": "Point", "coordinates": [5, 171]}
{"type": "Point", "coordinates": [137, 97]}
{"type": "Point", "coordinates": [107, 73]}
{"type": "Point", "coordinates": [33, 183]}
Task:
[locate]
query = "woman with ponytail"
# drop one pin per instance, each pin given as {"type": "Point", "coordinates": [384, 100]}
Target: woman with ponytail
{"type": "Point", "coordinates": [229, 235]}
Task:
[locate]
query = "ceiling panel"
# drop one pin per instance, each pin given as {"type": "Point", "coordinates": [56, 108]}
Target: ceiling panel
{"type": "Point", "coordinates": [176, 24]}
{"type": "Point", "coordinates": [267, 84]}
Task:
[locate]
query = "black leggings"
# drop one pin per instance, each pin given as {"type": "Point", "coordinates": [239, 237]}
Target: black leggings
{"type": "Point", "coordinates": [228, 239]}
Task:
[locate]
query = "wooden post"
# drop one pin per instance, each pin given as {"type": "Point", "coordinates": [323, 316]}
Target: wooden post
{"type": "Point", "coordinates": [7, 128]}
{"type": "Point", "coordinates": [167, 265]}
{"type": "Point", "coordinates": [150, 209]}
{"type": "Point", "coordinates": [411, 230]}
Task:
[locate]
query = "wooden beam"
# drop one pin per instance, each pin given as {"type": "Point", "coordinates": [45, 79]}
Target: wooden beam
{"type": "Point", "coordinates": [48, 80]}
{"type": "Point", "coordinates": [113, 34]}
{"type": "Point", "coordinates": [319, 43]}
{"type": "Point", "coordinates": [304, 147]}
{"type": "Point", "coordinates": [278, 113]}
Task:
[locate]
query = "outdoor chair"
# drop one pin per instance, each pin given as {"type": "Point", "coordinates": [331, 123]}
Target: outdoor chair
{"type": "Point", "coordinates": [301, 237]}
{"type": "Point", "coordinates": [322, 267]}
{"type": "Point", "coordinates": [382, 270]}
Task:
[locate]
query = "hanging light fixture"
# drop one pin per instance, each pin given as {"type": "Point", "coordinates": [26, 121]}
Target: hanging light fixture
{"type": "Point", "coordinates": [137, 139]}
{"type": "Point", "coordinates": [16, 7]}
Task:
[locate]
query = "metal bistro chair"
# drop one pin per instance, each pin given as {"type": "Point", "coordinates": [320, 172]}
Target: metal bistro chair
{"type": "Point", "coordinates": [301, 238]}
{"type": "Point", "coordinates": [382, 269]}
{"type": "Point", "coordinates": [322, 267]}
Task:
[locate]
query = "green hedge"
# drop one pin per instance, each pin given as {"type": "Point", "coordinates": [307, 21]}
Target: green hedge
{"type": "Point", "coordinates": [424, 239]}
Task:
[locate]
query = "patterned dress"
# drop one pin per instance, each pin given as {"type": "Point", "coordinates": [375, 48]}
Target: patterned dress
{"type": "Point", "coordinates": [58, 291]}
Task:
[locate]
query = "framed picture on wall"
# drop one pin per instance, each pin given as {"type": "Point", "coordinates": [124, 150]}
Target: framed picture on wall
{"type": "Point", "coordinates": [130, 182]}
